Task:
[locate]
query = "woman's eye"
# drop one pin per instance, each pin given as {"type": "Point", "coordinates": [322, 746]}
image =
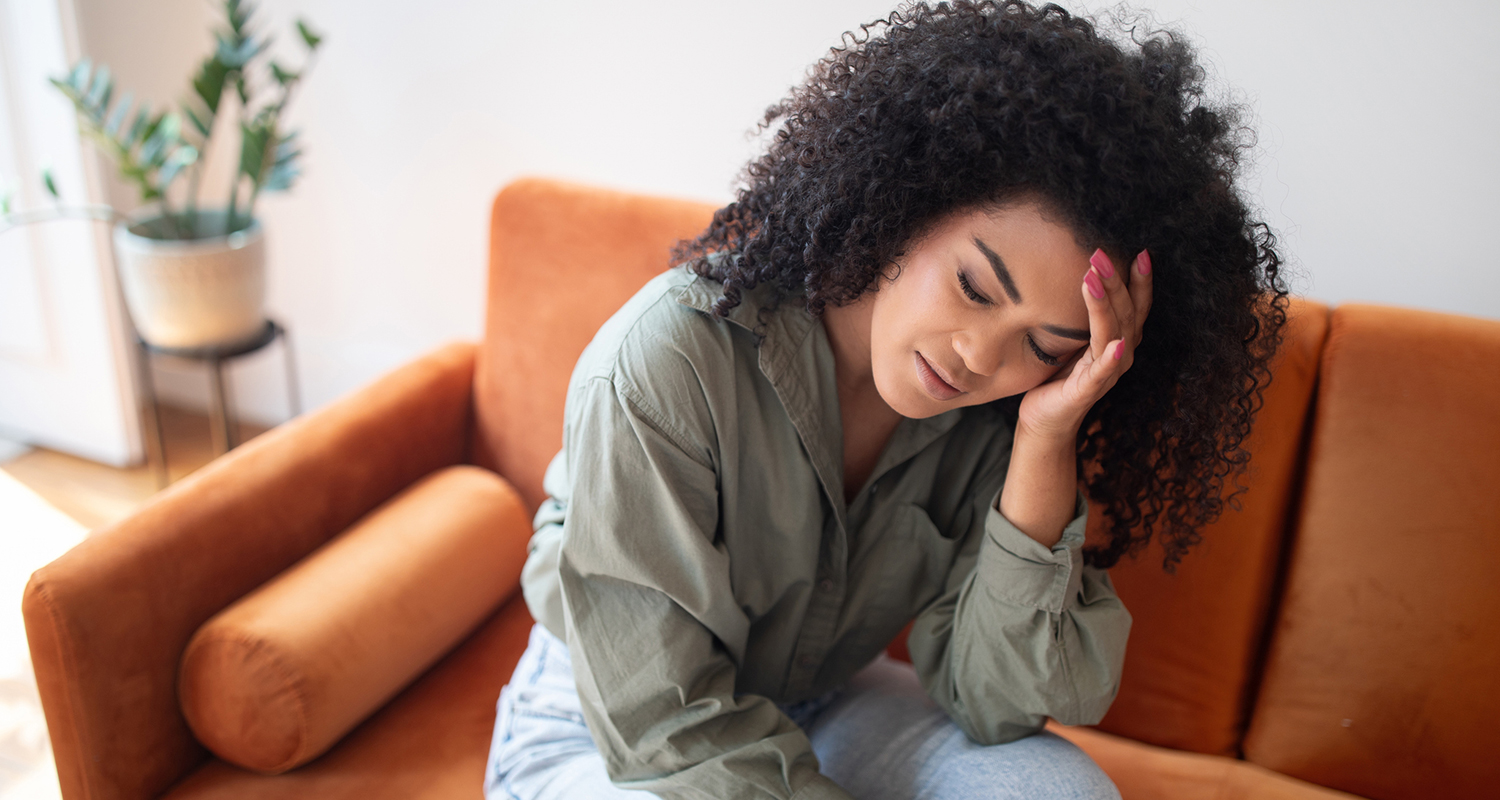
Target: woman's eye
{"type": "Point", "coordinates": [1049, 360]}
{"type": "Point", "coordinates": [963, 281]}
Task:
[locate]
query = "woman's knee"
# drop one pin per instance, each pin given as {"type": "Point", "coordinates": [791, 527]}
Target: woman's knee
{"type": "Point", "coordinates": [884, 738]}
{"type": "Point", "coordinates": [1044, 766]}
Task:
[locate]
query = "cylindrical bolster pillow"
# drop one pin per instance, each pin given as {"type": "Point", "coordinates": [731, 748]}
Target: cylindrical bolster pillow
{"type": "Point", "coordinates": [277, 678]}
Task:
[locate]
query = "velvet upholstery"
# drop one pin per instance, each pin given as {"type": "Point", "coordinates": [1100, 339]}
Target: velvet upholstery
{"type": "Point", "coordinates": [1382, 674]}
{"type": "Point", "coordinates": [1146, 772]}
{"type": "Point", "coordinates": [107, 622]}
{"type": "Point", "coordinates": [1386, 618]}
{"type": "Point", "coordinates": [282, 674]}
{"type": "Point", "coordinates": [429, 743]}
{"type": "Point", "coordinates": [554, 279]}
{"type": "Point", "coordinates": [1196, 641]}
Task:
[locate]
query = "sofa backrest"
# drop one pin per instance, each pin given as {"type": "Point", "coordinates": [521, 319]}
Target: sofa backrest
{"type": "Point", "coordinates": [1381, 675]}
{"type": "Point", "coordinates": [1196, 643]}
{"type": "Point", "coordinates": [563, 258]}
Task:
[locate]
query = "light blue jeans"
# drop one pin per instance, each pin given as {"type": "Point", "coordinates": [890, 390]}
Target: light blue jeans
{"type": "Point", "coordinates": [880, 737]}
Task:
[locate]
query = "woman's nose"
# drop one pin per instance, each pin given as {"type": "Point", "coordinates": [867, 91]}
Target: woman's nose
{"type": "Point", "coordinates": [982, 354]}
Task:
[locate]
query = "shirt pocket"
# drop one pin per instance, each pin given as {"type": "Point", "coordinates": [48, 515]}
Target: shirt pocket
{"type": "Point", "coordinates": [914, 560]}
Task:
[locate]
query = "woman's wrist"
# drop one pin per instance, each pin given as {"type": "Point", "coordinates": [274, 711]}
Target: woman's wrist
{"type": "Point", "coordinates": [1041, 484]}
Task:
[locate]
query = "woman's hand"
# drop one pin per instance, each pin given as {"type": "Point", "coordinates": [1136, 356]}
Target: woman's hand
{"type": "Point", "coordinates": [1117, 312]}
{"type": "Point", "coordinates": [1042, 479]}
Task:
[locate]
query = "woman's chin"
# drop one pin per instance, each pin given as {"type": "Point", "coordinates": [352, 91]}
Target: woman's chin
{"type": "Point", "coordinates": [913, 403]}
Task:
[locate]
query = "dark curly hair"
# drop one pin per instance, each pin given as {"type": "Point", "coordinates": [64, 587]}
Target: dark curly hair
{"type": "Point", "coordinates": [961, 105]}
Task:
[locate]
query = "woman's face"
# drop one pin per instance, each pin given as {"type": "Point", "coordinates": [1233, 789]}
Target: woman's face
{"type": "Point", "coordinates": [988, 304]}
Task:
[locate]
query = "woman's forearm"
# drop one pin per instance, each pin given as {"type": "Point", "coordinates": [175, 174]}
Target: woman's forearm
{"type": "Point", "coordinates": [1041, 485]}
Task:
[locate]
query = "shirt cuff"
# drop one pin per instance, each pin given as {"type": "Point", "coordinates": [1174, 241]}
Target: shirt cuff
{"type": "Point", "coordinates": [1019, 570]}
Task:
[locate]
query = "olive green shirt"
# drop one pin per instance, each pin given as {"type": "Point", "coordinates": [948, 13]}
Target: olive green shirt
{"type": "Point", "coordinates": [699, 559]}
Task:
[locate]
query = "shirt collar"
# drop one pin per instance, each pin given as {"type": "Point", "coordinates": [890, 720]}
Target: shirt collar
{"type": "Point", "coordinates": [796, 357]}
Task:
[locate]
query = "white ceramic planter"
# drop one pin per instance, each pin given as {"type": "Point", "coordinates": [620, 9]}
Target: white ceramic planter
{"type": "Point", "coordinates": [192, 292]}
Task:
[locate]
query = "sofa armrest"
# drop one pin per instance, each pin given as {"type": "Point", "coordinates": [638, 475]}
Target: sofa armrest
{"type": "Point", "coordinates": [107, 622]}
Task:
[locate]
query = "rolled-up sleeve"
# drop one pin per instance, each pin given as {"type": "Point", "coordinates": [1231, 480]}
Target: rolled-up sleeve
{"type": "Point", "coordinates": [653, 627]}
{"type": "Point", "coordinates": [1022, 632]}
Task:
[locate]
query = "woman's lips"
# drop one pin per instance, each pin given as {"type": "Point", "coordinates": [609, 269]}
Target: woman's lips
{"type": "Point", "coordinates": [935, 386]}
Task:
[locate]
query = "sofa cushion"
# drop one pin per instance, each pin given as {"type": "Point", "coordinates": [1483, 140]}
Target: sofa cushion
{"type": "Point", "coordinates": [430, 743]}
{"type": "Point", "coordinates": [276, 678]}
{"type": "Point", "coordinates": [1198, 634]}
{"type": "Point", "coordinates": [1381, 674]}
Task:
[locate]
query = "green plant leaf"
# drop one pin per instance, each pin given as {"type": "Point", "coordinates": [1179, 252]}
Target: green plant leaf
{"type": "Point", "coordinates": [238, 14]}
{"type": "Point", "coordinates": [138, 128]}
{"type": "Point", "coordinates": [100, 91]}
{"type": "Point", "coordinates": [253, 138]}
{"type": "Point", "coordinates": [233, 53]}
{"type": "Point", "coordinates": [166, 133]}
{"type": "Point", "coordinates": [119, 115]}
{"type": "Point", "coordinates": [50, 184]}
{"type": "Point", "coordinates": [183, 156]}
{"type": "Point", "coordinates": [198, 123]}
{"type": "Point", "coordinates": [208, 84]}
{"type": "Point", "coordinates": [79, 77]}
{"type": "Point", "coordinates": [311, 39]}
{"type": "Point", "coordinates": [156, 122]}
{"type": "Point", "coordinates": [287, 148]}
{"type": "Point", "coordinates": [5, 202]}
{"type": "Point", "coordinates": [282, 76]}
{"type": "Point", "coordinates": [285, 170]}
{"type": "Point", "coordinates": [282, 178]}
{"type": "Point", "coordinates": [171, 126]}
{"type": "Point", "coordinates": [152, 150]}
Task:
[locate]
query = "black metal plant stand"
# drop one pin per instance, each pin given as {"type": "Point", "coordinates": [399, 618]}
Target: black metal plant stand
{"type": "Point", "coordinates": [222, 422]}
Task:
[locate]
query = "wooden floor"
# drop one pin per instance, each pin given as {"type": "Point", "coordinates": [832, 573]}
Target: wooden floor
{"type": "Point", "coordinates": [96, 494]}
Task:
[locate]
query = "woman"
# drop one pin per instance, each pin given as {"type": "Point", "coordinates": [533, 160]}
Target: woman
{"type": "Point", "coordinates": [989, 257]}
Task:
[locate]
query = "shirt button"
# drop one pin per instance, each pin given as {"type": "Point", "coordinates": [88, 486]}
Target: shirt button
{"type": "Point", "coordinates": [825, 586]}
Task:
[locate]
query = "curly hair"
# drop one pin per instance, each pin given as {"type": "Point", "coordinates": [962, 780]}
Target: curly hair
{"type": "Point", "coordinates": [962, 105]}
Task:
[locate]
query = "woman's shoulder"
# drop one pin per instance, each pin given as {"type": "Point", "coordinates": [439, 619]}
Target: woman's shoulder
{"type": "Point", "coordinates": [665, 349]}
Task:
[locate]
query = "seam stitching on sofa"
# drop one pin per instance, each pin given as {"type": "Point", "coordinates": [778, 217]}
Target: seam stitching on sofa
{"type": "Point", "coordinates": [290, 677]}
{"type": "Point", "coordinates": [295, 684]}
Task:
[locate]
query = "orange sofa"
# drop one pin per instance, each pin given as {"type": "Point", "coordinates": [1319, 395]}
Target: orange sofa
{"type": "Point", "coordinates": [1338, 633]}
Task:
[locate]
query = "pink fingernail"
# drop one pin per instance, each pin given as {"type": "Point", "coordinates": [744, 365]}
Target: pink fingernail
{"type": "Point", "coordinates": [1095, 287]}
{"type": "Point", "coordinates": [1119, 350]}
{"type": "Point", "coordinates": [1143, 261]}
{"type": "Point", "coordinates": [1102, 263]}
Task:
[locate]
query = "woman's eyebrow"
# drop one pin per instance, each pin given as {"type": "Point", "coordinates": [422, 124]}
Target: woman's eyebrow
{"type": "Point", "coordinates": [1001, 272]}
{"type": "Point", "coordinates": [1071, 333]}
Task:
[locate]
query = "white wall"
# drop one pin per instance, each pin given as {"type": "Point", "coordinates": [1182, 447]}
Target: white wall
{"type": "Point", "coordinates": [1377, 163]}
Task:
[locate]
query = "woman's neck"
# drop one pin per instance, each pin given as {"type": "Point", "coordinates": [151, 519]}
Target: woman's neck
{"type": "Point", "coordinates": [868, 420]}
{"type": "Point", "coordinates": [848, 329]}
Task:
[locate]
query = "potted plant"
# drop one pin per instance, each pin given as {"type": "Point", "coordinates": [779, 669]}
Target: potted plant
{"type": "Point", "coordinates": [194, 275]}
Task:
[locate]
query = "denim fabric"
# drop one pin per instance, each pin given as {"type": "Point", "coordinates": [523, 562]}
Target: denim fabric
{"type": "Point", "coordinates": [880, 737]}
